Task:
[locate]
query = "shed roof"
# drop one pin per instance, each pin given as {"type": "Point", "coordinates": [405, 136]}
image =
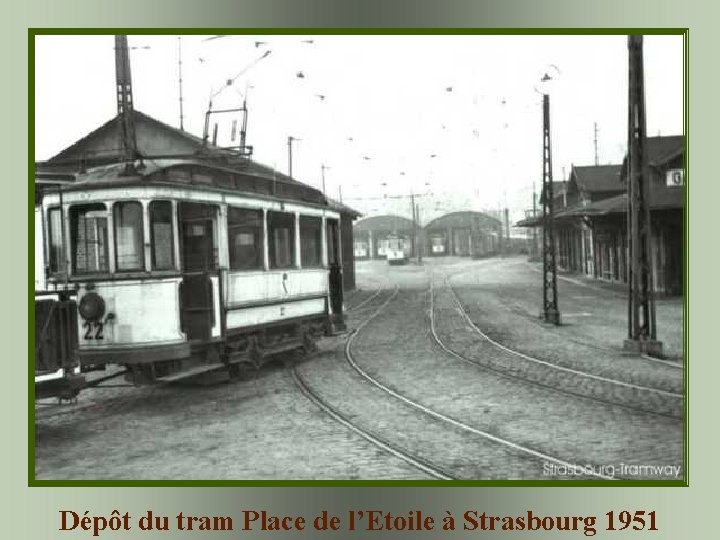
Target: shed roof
{"type": "Point", "coordinates": [464, 218]}
{"type": "Point", "coordinates": [384, 223]}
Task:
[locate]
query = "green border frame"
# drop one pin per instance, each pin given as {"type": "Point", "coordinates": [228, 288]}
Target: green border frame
{"type": "Point", "coordinates": [33, 482]}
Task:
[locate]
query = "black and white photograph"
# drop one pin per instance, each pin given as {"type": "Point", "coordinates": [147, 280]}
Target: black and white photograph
{"type": "Point", "coordinates": [364, 257]}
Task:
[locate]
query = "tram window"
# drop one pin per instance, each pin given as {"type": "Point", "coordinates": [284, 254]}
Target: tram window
{"type": "Point", "coordinates": [56, 255]}
{"type": "Point", "coordinates": [281, 239]}
{"type": "Point", "coordinates": [88, 237]}
{"type": "Point", "coordinates": [161, 235]}
{"type": "Point", "coordinates": [129, 253]}
{"type": "Point", "coordinates": [245, 229]}
{"type": "Point", "coordinates": [310, 241]}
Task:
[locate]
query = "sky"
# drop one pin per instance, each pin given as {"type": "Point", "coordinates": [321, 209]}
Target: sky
{"type": "Point", "coordinates": [455, 120]}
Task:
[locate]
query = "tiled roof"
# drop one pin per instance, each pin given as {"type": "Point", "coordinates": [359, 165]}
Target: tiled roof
{"type": "Point", "coordinates": [597, 178]}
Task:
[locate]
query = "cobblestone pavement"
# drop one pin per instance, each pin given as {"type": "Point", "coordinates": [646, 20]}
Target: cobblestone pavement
{"type": "Point", "coordinates": [265, 428]}
{"type": "Point", "coordinates": [593, 313]}
{"type": "Point", "coordinates": [572, 429]}
{"type": "Point", "coordinates": [256, 429]}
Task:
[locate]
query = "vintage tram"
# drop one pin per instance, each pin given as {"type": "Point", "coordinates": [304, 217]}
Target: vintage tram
{"type": "Point", "coordinates": [181, 266]}
{"type": "Point", "coordinates": [398, 249]}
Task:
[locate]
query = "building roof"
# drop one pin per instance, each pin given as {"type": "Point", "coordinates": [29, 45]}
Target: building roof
{"type": "Point", "coordinates": [662, 149]}
{"type": "Point", "coordinates": [384, 223]}
{"type": "Point", "coordinates": [103, 143]}
{"type": "Point", "coordinates": [665, 199]}
{"type": "Point", "coordinates": [463, 219]}
{"type": "Point", "coordinates": [597, 178]}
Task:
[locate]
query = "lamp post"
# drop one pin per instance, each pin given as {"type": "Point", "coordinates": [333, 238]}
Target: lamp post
{"type": "Point", "coordinates": [551, 312]}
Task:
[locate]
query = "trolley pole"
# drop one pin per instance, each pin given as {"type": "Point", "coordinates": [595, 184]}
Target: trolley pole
{"type": "Point", "coordinates": [642, 337]}
{"type": "Point", "coordinates": [551, 314]}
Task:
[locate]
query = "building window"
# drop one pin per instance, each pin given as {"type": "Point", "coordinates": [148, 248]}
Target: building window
{"type": "Point", "coordinates": [310, 241]}
{"type": "Point", "coordinates": [88, 238]}
{"type": "Point", "coordinates": [162, 236]}
{"type": "Point", "coordinates": [128, 219]}
{"type": "Point", "coordinates": [56, 244]}
{"type": "Point", "coordinates": [245, 239]}
{"type": "Point", "coordinates": [281, 239]}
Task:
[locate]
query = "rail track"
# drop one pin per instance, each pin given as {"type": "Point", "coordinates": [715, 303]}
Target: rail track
{"type": "Point", "coordinates": [472, 435]}
{"type": "Point", "coordinates": [511, 369]}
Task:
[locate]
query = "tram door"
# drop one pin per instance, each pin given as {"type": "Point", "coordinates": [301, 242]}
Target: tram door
{"type": "Point", "coordinates": [335, 262]}
{"type": "Point", "coordinates": [198, 251]}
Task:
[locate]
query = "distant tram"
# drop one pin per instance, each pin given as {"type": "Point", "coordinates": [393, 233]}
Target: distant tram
{"type": "Point", "coordinates": [398, 249]}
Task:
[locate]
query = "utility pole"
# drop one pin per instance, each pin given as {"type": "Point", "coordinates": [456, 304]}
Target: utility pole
{"type": "Point", "coordinates": [180, 81]}
{"type": "Point", "coordinates": [595, 141]}
{"type": "Point", "coordinates": [507, 227]}
{"type": "Point", "coordinates": [642, 337]}
{"type": "Point", "coordinates": [551, 314]}
{"type": "Point", "coordinates": [414, 220]}
{"type": "Point", "coordinates": [290, 140]}
{"type": "Point", "coordinates": [418, 233]}
{"type": "Point", "coordinates": [534, 229]}
{"type": "Point", "coordinates": [123, 86]}
{"type": "Point", "coordinates": [322, 173]}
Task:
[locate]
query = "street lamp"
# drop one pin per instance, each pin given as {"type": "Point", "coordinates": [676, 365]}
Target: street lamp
{"type": "Point", "coordinates": [550, 313]}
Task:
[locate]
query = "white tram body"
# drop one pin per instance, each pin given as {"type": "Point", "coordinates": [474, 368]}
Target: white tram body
{"type": "Point", "coordinates": [360, 249]}
{"type": "Point", "coordinates": [186, 266]}
{"type": "Point", "coordinates": [437, 244]}
{"type": "Point", "coordinates": [398, 249]}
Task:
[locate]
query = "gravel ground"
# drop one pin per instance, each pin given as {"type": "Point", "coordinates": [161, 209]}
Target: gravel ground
{"type": "Point", "coordinates": [264, 428]}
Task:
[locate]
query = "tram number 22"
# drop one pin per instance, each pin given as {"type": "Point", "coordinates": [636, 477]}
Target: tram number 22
{"type": "Point", "coordinates": [93, 330]}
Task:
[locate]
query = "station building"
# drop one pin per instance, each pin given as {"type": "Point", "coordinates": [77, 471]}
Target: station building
{"type": "Point", "coordinates": [591, 233]}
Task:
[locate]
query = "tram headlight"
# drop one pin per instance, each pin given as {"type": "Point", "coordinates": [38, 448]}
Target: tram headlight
{"type": "Point", "coordinates": [92, 307]}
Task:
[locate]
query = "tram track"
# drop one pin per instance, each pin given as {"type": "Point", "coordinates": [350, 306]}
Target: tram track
{"type": "Point", "coordinates": [363, 303]}
{"type": "Point", "coordinates": [472, 436]}
{"type": "Point", "coordinates": [565, 380]}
